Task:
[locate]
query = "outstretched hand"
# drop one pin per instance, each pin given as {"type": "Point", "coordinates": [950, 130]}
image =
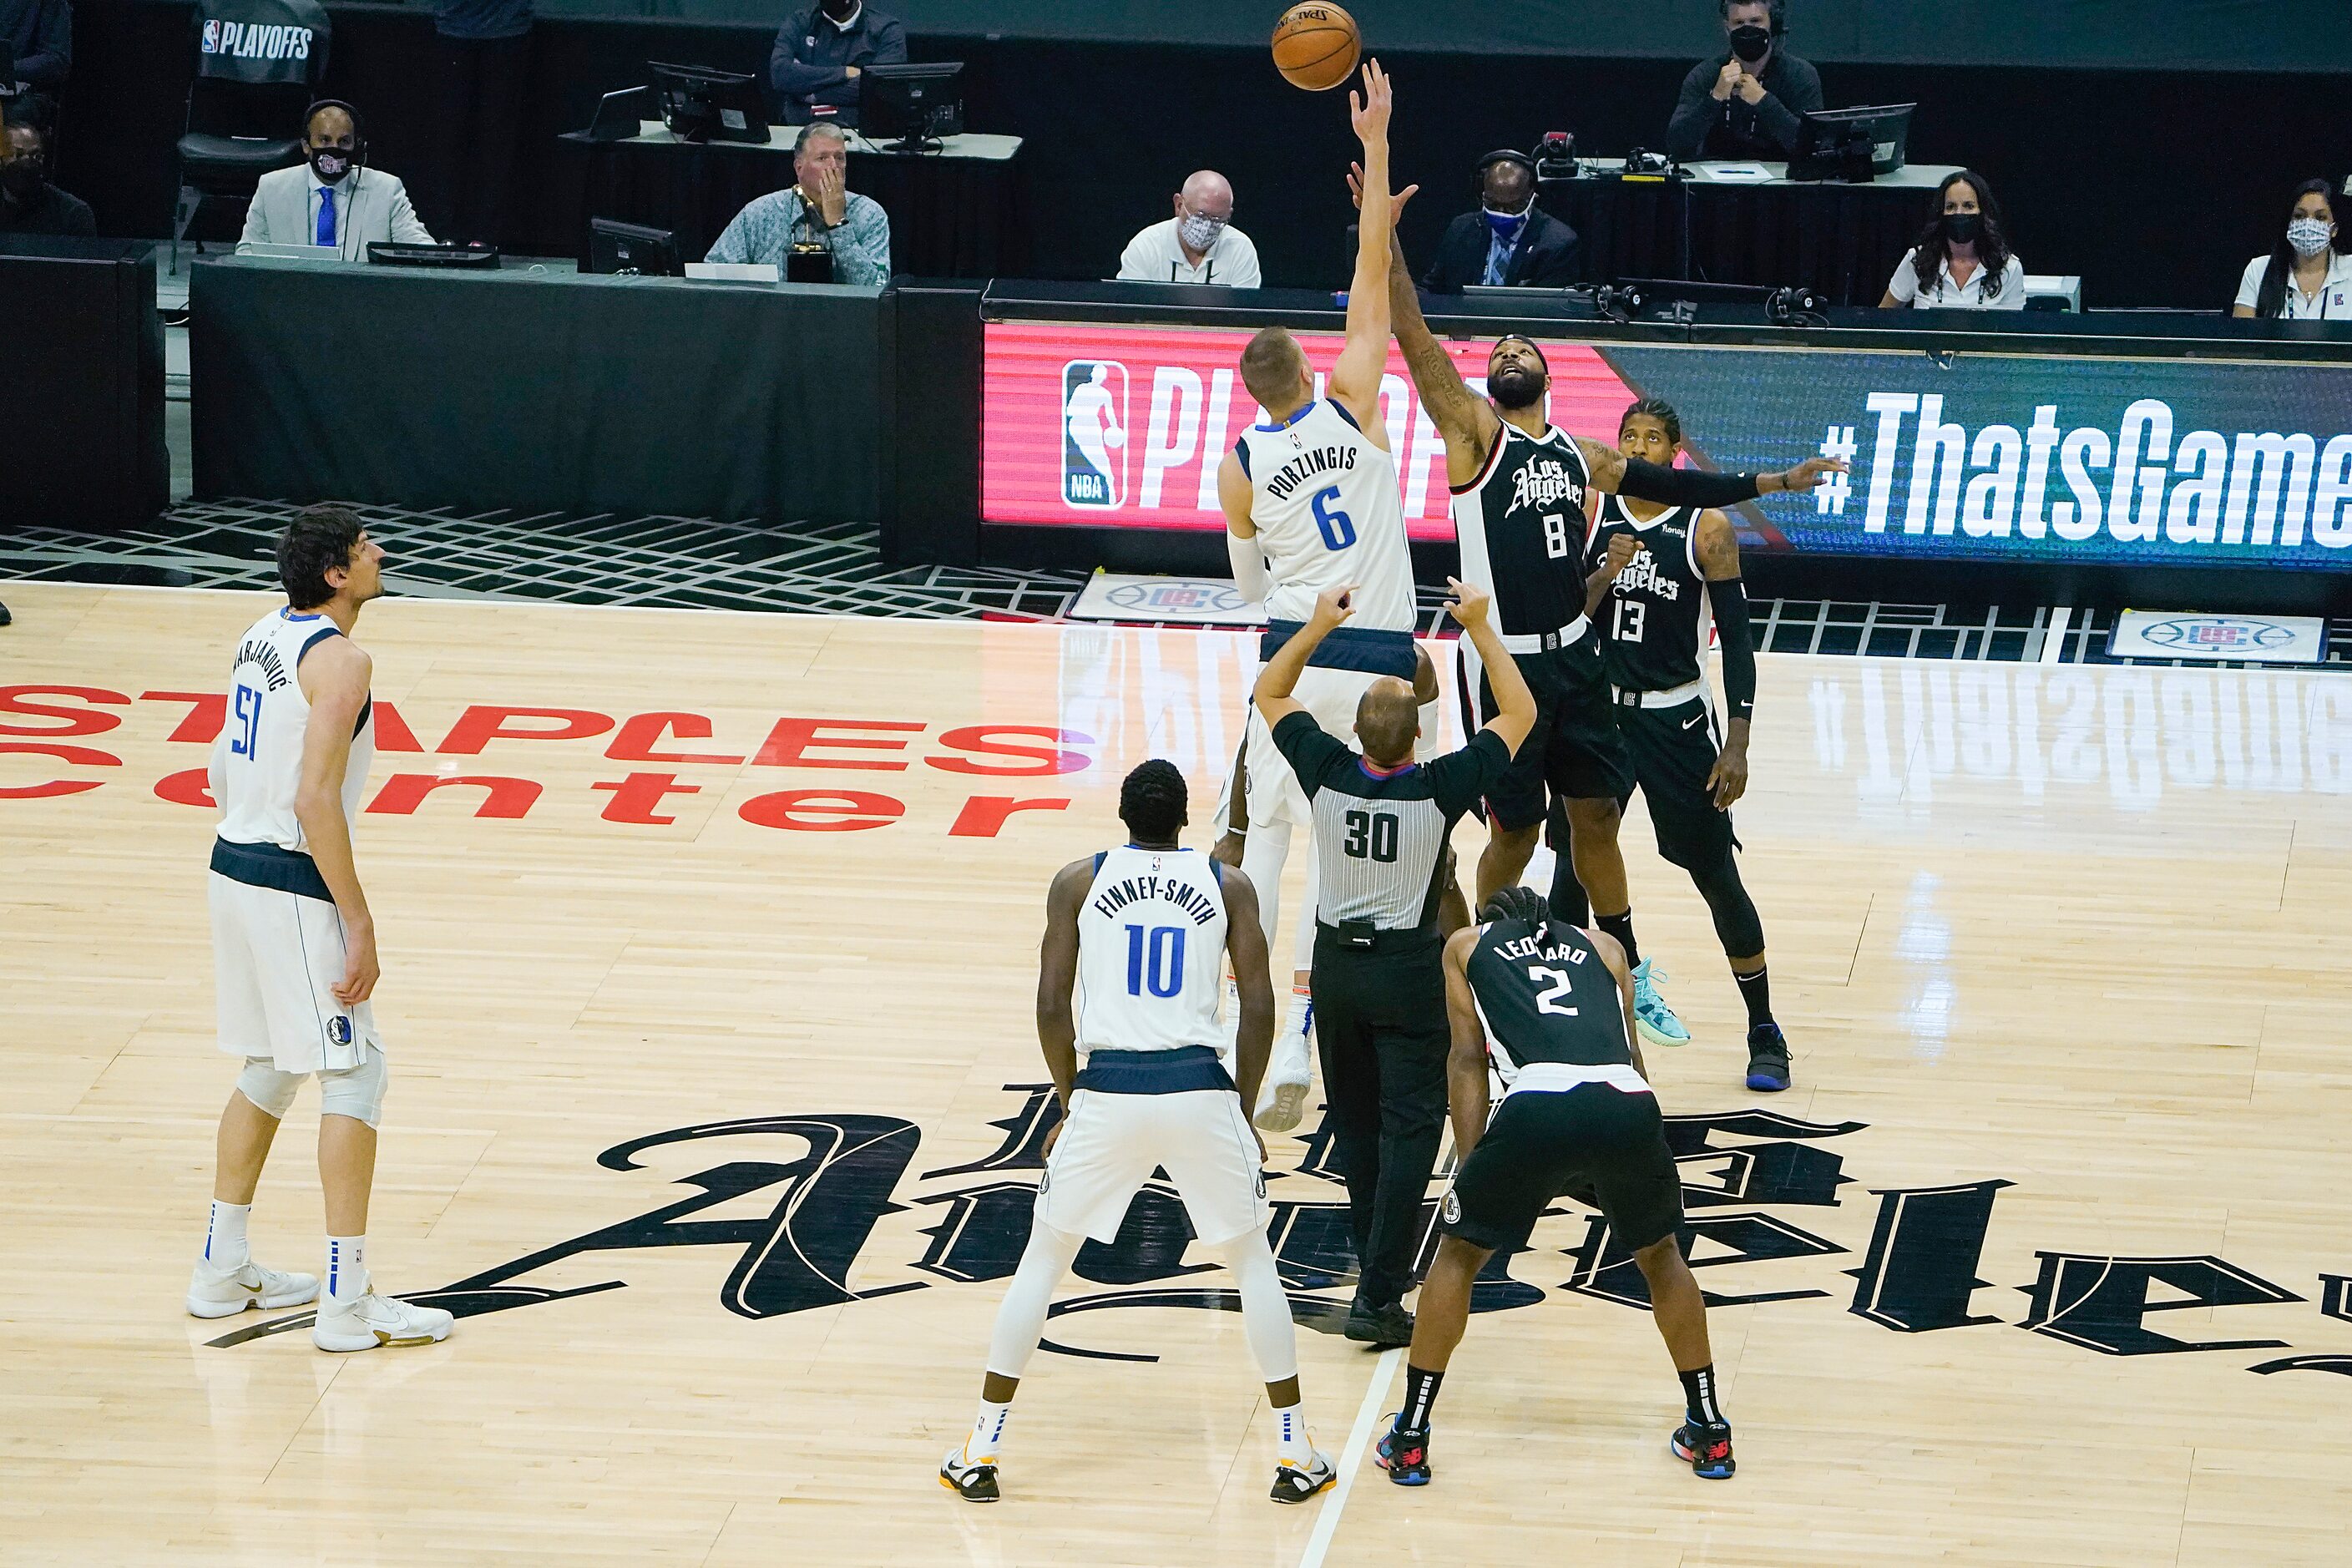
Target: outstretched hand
{"type": "Point", "coordinates": [1396, 202]}
{"type": "Point", "coordinates": [1369, 110]}
{"type": "Point", "coordinates": [1333, 607]}
{"type": "Point", "coordinates": [1469, 605]}
{"type": "Point", "coordinates": [1811, 472]}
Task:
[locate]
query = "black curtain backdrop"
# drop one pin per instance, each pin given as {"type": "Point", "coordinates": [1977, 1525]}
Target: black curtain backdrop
{"type": "Point", "coordinates": [2155, 186]}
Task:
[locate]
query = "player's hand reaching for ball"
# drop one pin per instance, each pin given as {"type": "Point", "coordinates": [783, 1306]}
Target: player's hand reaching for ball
{"type": "Point", "coordinates": [1468, 606]}
{"type": "Point", "coordinates": [1396, 202]}
{"type": "Point", "coordinates": [360, 971]}
{"type": "Point", "coordinates": [1805, 475]}
{"type": "Point", "coordinates": [1332, 607]}
{"type": "Point", "coordinates": [1369, 110]}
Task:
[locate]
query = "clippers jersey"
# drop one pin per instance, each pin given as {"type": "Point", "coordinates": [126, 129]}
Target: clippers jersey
{"type": "Point", "coordinates": [1151, 951]}
{"type": "Point", "coordinates": [1544, 1001]}
{"type": "Point", "coordinates": [1329, 514]}
{"type": "Point", "coordinates": [1656, 623]}
{"type": "Point", "coordinates": [259, 749]}
{"type": "Point", "coordinates": [1523, 529]}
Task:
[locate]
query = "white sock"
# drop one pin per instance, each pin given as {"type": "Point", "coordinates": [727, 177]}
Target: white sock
{"type": "Point", "coordinates": [1295, 1021]}
{"type": "Point", "coordinates": [987, 1434]}
{"type": "Point", "coordinates": [347, 1278]}
{"type": "Point", "coordinates": [225, 1245]}
{"type": "Point", "coordinates": [1290, 1433]}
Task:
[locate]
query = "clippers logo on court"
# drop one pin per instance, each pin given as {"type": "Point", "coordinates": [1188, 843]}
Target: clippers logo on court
{"type": "Point", "coordinates": [1177, 596]}
{"type": "Point", "coordinates": [1094, 434]}
{"type": "Point", "coordinates": [828, 1179]}
{"type": "Point", "coordinates": [2218, 632]}
{"type": "Point", "coordinates": [242, 40]}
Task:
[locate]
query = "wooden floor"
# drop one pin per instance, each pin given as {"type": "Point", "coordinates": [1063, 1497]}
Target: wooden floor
{"type": "Point", "coordinates": [2078, 930]}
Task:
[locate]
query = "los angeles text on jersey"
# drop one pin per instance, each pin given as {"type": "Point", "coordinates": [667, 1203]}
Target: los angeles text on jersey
{"type": "Point", "coordinates": [1545, 481]}
{"type": "Point", "coordinates": [1643, 577]}
{"type": "Point", "coordinates": [1167, 889]}
{"type": "Point", "coordinates": [2142, 481]}
{"type": "Point", "coordinates": [1308, 465]}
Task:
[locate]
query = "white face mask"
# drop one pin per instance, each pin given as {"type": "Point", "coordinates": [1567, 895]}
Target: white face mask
{"type": "Point", "coordinates": [1200, 232]}
{"type": "Point", "coordinates": [2308, 236]}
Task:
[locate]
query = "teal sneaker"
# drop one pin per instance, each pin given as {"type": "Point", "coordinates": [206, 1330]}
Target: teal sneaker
{"type": "Point", "coordinates": [1656, 1021]}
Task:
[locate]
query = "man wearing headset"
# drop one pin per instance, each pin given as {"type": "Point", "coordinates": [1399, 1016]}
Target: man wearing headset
{"type": "Point", "coordinates": [332, 198]}
{"type": "Point", "coordinates": [1509, 240]}
{"type": "Point", "coordinates": [1750, 101]}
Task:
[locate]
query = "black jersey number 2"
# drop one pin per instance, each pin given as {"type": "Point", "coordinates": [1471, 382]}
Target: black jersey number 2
{"type": "Point", "coordinates": [1371, 835]}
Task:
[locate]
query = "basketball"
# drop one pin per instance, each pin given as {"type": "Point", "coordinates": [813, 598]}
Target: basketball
{"type": "Point", "coordinates": [1316, 45]}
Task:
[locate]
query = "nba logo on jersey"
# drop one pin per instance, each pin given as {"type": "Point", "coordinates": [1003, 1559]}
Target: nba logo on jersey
{"type": "Point", "coordinates": [1094, 433]}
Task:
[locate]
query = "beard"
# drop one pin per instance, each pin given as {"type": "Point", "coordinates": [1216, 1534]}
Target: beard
{"type": "Point", "coordinates": [1513, 387]}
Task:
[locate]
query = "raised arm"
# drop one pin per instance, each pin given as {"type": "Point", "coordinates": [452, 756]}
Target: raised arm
{"type": "Point", "coordinates": [1058, 974]}
{"type": "Point", "coordinates": [335, 681]}
{"type": "Point", "coordinates": [1467, 421]}
{"type": "Point", "coordinates": [1465, 1062]}
{"type": "Point", "coordinates": [1614, 471]}
{"type": "Point", "coordinates": [1355, 382]}
{"type": "Point", "coordinates": [1280, 676]}
{"type": "Point", "coordinates": [1515, 703]}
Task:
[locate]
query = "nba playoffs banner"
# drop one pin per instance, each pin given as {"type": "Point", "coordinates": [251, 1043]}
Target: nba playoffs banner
{"type": "Point", "coordinates": [1989, 457]}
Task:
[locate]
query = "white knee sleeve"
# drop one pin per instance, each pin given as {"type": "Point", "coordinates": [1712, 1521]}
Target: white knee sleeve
{"type": "Point", "coordinates": [1020, 1320]}
{"type": "Point", "coordinates": [272, 1092]}
{"type": "Point", "coordinates": [1266, 1309]}
{"type": "Point", "coordinates": [356, 1092]}
{"type": "Point", "coordinates": [1262, 853]}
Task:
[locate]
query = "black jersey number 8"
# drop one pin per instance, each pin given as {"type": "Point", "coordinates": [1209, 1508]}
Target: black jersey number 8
{"type": "Point", "coordinates": [1371, 835]}
{"type": "Point", "coordinates": [1555, 527]}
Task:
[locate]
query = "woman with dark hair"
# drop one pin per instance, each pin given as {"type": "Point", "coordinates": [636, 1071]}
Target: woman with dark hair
{"type": "Point", "coordinates": [2303, 278]}
{"type": "Point", "coordinates": [1962, 261]}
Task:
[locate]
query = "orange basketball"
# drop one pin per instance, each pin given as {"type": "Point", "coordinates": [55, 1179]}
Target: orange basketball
{"type": "Point", "coordinates": [1316, 45]}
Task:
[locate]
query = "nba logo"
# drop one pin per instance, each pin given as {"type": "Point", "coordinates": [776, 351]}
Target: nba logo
{"type": "Point", "coordinates": [1094, 433]}
{"type": "Point", "coordinates": [212, 38]}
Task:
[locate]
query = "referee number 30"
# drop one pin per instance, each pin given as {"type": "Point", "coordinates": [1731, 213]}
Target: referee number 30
{"type": "Point", "coordinates": [1371, 836]}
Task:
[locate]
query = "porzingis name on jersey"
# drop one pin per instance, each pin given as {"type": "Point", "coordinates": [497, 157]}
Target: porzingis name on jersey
{"type": "Point", "coordinates": [1545, 481]}
{"type": "Point", "coordinates": [1168, 889]}
{"type": "Point", "coordinates": [1311, 464]}
{"type": "Point", "coordinates": [263, 652]}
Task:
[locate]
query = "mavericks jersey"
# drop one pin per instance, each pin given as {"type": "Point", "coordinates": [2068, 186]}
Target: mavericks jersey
{"type": "Point", "coordinates": [1328, 513]}
{"type": "Point", "coordinates": [1545, 998]}
{"type": "Point", "coordinates": [257, 756]}
{"type": "Point", "coordinates": [1656, 622]}
{"type": "Point", "coordinates": [1523, 529]}
{"type": "Point", "coordinates": [1151, 951]}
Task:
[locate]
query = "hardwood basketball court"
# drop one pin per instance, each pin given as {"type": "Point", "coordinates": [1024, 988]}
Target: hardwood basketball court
{"type": "Point", "coordinates": [2058, 950]}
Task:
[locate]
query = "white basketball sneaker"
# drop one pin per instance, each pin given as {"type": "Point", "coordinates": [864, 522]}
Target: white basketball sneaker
{"type": "Point", "coordinates": [374, 1320]}
{"type": "Point", "coordinates": [214, 1294]}
{"type": "Point", "coordinates": [1289, 1074]}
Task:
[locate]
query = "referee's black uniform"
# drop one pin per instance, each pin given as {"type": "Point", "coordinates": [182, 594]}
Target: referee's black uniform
{"type": "Point", "coordinates": [1378, 977]}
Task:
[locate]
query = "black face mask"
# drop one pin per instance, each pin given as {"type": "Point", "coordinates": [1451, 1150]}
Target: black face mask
{"type": "Point", "coordinates": [330, 163]}
{"type": "Point", "coordinates": [1750, 44]}
{"type": "Point", "coordinates": [1516, 386]}
{"type": "Point", "coordinates": [24, 178]}
{"type": "Point", "coordinates": [1962, 228]}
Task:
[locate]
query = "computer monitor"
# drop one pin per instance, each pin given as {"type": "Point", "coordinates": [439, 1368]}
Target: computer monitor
{"type": "Point", "coordinates": [918, 104]}
{"type": "Point", "coordinates": [620, 114]}
{"type": "Point", "coordinates": [1853, 144]}
{"type": "Point", "coordinates": [700, 104]}
{"type": "Point", "coordinates": [628, 248]}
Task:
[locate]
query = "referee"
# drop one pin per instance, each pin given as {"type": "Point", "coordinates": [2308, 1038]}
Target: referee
{"type": "Point", "coordinates": [1382, 825]}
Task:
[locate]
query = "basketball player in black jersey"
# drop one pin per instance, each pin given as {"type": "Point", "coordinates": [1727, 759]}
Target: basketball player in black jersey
{"type": "Point", "coordinates": [1578, 1112]}
{"type": "Point", "coordinates": [1661, 574]}
{"type": "Point", "coordinates": [1523, 494]}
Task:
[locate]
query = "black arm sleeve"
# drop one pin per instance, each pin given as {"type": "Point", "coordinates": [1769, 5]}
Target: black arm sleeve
{"type": "Point", "coordinates": [1695, 112]}
{"type": "Point", "coordinates": [1731, 602]}
{"type": "Point", "coordinates": [1685, 486]}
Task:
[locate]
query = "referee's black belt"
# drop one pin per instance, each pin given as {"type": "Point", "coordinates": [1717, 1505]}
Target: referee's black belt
{"type": "Point", "coordinates": [1364, 649]}
{"type": "Point", "coordinates": [1178, 1072]}
{"type": "Point", "coordinates": [1352, 939]}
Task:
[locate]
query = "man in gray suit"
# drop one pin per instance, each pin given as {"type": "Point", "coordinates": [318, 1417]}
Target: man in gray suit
{"type": "Point", "coordinates": [332, 198]}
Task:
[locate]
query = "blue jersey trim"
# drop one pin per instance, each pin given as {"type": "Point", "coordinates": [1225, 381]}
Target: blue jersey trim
{"type": "Point", "coordinates": [1181, 1070]}
{"type": "Point", "coordinates": [1241, 450]}
{"type": "Point", "coordinates": [1360, 648]}
{"type": "Point", "coordinates": [1341, 409]}
{"type": "Point", "coordinates": [269, 866]}
{"type": "Point", "coordinates": [313, 640]}
{"type": "Point", "coordinates": [1273, 426]}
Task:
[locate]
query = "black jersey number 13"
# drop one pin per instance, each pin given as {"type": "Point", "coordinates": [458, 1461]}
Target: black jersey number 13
{"type": "Point", "coordinates": [1371, 835]}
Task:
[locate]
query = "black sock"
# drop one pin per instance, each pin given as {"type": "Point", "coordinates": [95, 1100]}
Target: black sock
{"type": "Point", "coordinates": [1699, 1397]}
{"type": "Point", "coordinates": [1757, 991]}
{"type": "Point", "coordinates": [1622, 928]}
{"type": "Point", "coordinates": [1419, 1394]}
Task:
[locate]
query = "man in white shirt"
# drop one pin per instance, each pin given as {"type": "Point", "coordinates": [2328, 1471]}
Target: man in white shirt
{"type": "Point", "coordinates": [1199, 245]}
{"type": "Point", "coordinates": [332, 198]}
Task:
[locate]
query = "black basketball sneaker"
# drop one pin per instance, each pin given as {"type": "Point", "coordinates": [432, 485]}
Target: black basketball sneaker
{"type": "Point", "coordinates": [1706, 1450]}
{"type": "Point", "coordinates": [1403, 1455]}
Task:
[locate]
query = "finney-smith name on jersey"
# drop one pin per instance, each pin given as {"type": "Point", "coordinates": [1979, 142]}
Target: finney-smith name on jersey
{"type": "Point", "coordinates": [1182, 894]}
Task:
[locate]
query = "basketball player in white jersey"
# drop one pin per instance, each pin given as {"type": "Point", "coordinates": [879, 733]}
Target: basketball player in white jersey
{"type": "Point", "coordinates": [1311, 503]}
{"type": "Point", "coordinates": [1128, 980]}
{"type": "Point", "coordinates": [293, 944]}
